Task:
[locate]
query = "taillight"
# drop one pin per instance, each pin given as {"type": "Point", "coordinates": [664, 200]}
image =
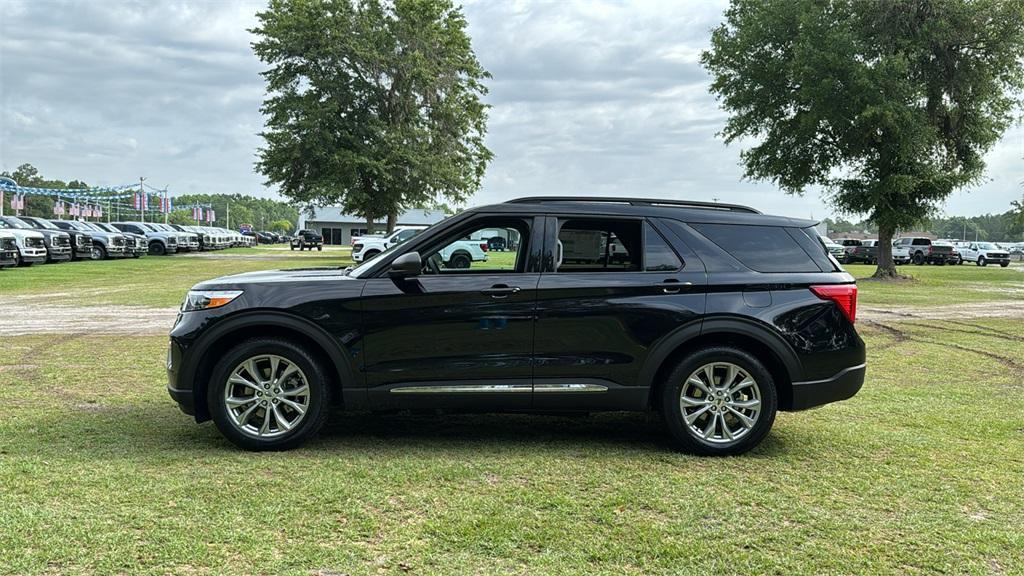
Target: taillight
{"type": "Point", "coordinates": [483, 246]}
{"type": "Point", "coordinates": [844, 295]}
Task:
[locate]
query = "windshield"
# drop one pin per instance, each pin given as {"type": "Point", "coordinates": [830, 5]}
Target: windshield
{"type": "Point", "coordinates": [91, 227]}
{"type": "Point", "coordinates": [43, 223]}
{"type": "Point", "coordinates": [365, 265]}
{"type": "Point", "coordinates": [105, 227]}
{"type": "Point", "coordinates": [986, 245]}
{"type": "Point", "coordinates": [16, 222]}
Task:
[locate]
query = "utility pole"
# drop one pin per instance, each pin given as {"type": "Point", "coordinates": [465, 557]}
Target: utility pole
{"type": "Point", "coordinates": [142, 200]}
{"type": "Point", "coordinates": [228, 215]}
{"type": "Point", "coordinates": [167, 205]}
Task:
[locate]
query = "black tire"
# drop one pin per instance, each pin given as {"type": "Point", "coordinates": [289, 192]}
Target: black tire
{"type": "Point", "coordinates": [672, 412]}
{"type": "Point", "coordinates": [1004, 264]}
{"type": "Point", "coordinates": [319, 248]}
{"type": "Point", "coordinates": [959, 260]}
{"type": "Point", "coordinates": [981, 261]}
{"type": "Point", "coordinates": [19, 262]}
{"type": "Point", "coordinates": [460, 260]}
{"type": "Point", "coordinates": [319, 394]}
{"type": "Point", "coordinates": [98, 252]}
{"type": "Point", "coordinates": [918, 259]}
{"type": "Point", "coordinates": [292, 247]}
{"type": "Point", "coordinates": [370, 254]}
{"type": "Point", "coordinates": [157, 249]}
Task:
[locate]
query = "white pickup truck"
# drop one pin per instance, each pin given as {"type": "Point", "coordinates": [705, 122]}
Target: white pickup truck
{"type": "Point", "coordinates": [366, 247]}
{"type": "Point", "coordinates": [984, 253]}
{"type": "Point", "coordinates": [458, 254]}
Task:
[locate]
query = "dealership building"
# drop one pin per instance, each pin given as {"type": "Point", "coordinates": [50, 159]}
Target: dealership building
{"type": "Point", "coordinates": [339, 228]}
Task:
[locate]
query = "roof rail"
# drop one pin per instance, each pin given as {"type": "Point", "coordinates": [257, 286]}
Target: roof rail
{"type": "Point", "coordinates": [636, 202]}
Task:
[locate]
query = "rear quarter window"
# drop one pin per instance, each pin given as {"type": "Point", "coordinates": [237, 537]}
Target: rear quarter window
{"type": "Point", "coordinates": [767, 248]}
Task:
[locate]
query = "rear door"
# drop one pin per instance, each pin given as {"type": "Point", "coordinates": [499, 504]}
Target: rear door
{"type": "Point", "coordinates": [615, 288]}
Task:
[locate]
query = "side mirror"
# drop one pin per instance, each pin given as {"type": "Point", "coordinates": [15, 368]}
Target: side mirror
{"type": "Point", "coordinates": [406, 265]}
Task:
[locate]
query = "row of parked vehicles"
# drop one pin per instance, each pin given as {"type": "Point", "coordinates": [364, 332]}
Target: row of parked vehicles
{"type": "Point", "coordinates": [27, 240]}
{"type": "Point", "coordinates": [920, 250]}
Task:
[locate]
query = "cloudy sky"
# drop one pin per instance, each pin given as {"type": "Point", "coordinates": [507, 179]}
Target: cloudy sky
{"type": "Point", "coordinates": [602, 98]}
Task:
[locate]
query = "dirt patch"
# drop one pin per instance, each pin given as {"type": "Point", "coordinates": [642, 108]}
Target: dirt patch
{"type": "Point", "coordinates": [994, 309]}
{"type": "Point", "coordinates": [34, 318]}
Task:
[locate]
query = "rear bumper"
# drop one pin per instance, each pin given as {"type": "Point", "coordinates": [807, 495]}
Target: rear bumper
{"type": "Point", "coordinates": [818, 392]}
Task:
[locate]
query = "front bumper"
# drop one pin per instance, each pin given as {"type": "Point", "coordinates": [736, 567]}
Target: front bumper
{"type": "Point", "coordinates": [59, 253]}
{"type": "Point", "coordinates": [33, 255]}
{"type": "Point", "coordinates": [83, 251]}
{"type": "Point", "coordinates": [8, 258]}
{"type": "Point", "coordinates": [819, 392]}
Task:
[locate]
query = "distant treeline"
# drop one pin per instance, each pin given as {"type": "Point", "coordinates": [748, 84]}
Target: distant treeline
{"type": "Point", "coordinates": [992, 227]}
{"type": "Point", "coordinates": [262, 213]}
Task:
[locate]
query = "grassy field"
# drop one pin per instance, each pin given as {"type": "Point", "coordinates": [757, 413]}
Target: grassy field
{"type": "Point", "coordinates": [920, 473]}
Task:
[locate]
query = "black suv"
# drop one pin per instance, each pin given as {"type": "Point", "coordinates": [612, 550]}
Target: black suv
{"type": "Point", "coordinates": [712, 314]}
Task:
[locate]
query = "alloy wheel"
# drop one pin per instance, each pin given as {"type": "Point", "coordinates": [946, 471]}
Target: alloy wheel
{"type": "Point", "coordinates": [720, 402]}
{"type": "Point", "coordinates": [266, 396]}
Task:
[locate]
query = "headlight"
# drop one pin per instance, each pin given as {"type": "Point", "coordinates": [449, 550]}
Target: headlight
{"type": "Point", "coordinates": [207, 299]}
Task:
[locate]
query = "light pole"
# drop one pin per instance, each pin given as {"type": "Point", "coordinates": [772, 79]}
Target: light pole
{"type": "Point", "coordinates": [5, 179]}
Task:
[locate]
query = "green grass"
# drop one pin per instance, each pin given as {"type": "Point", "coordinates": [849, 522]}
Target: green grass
{"type": "Point", "coordinates": [918, 474]}
{"type": "Point", "coordinates": [940, 285]}
{"type": "Point", "coordinates": [153, 280]}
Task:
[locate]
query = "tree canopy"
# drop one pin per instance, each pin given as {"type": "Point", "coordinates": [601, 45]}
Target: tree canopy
{"type": "Point", "coordinates": [372, 105]}
{"type": "Point", "coordinates": [888, 106]}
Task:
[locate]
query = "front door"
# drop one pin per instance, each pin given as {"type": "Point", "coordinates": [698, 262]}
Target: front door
{"type": "Point", "coordinates": [460, 335]}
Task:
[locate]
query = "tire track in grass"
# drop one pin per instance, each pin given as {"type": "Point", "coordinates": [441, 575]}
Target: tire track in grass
{"type": "Point", "coordinates": [902, 336]}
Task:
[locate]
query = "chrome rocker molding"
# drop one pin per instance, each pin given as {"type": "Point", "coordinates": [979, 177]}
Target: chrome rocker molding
{"type": "Point", "coordinates": [500, 388]}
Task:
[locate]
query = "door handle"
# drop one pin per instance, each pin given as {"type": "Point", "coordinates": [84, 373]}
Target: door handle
{"type": "Point", "coordinates": [500, 291]}
{"type": "Point", "coordinates": [673, 286]}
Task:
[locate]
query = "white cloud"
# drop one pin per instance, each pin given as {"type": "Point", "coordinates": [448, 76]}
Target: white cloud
{"type": "Point", "coordinates": [589, 97]}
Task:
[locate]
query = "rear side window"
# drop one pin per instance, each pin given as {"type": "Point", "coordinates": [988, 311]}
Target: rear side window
{"type": "Point", "coordinates": [922, 242]}
{"type": "Point", "coordinates": [658, 255]}
{"type": "Point", "coordinates": [760, 248]}
{"type": "Point", "coordinates": [598, 245]}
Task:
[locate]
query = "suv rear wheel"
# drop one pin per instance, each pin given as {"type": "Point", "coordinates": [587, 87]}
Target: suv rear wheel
{"type": "Point", "coordinates": [719, 401]}
{"type": "Point", "coordinates": [268, 394]}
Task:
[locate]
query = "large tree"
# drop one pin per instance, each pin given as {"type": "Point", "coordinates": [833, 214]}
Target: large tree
{"type": "Point", "coordinates": [374, 105]}
{"type": "Point", "coordinates": [888, 106]}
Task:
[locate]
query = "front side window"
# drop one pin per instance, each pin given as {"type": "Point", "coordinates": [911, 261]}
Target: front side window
{"type": "Point", "coordinates": [460, 253]}
{"type": "Point", "coordinates": [598, 245]}
{"type": "Point", "coordinates": [404, 235]}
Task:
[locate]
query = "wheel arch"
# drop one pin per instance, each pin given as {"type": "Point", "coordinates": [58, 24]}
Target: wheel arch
{"type": "Point", "coordinates": [768, 347]}
{"type": "Point", "coordinates": [236, 329]}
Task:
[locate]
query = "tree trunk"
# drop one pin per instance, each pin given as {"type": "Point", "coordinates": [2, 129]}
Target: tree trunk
{"type": "Point", "coordinates": [886, 266]}
{"type": "Point", "coordinates": [392, 220]}
{"type": "Point", "coordinates": [369, 225]}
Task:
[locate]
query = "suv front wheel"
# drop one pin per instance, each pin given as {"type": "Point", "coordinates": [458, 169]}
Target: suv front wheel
{"type": "Point", "coordinates": [719, 401]}
{"type": "Point", "coordinates": [268, 394]}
